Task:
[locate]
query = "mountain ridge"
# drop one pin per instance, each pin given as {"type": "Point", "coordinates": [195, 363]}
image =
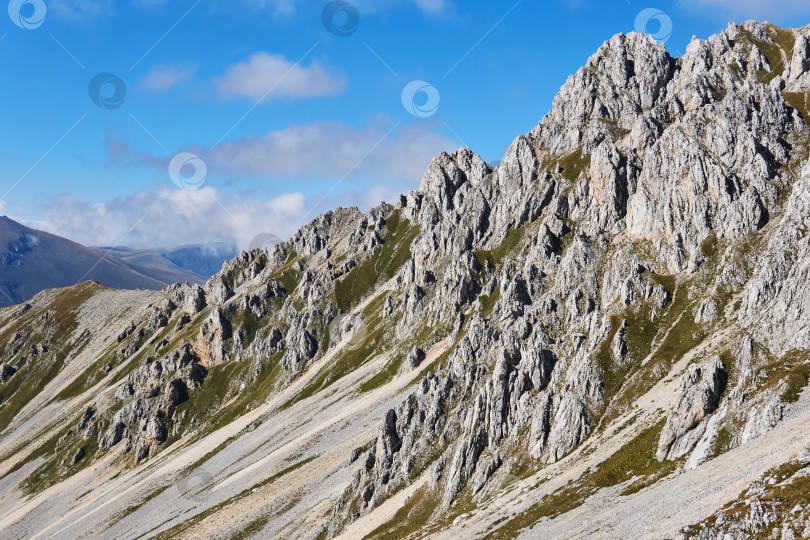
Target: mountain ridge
{"type": "Point", "coordinates": [612, 317]}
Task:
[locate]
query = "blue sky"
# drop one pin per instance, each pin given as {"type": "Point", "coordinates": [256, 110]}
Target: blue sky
{"type": "Point", "coordinates": [289, 119]}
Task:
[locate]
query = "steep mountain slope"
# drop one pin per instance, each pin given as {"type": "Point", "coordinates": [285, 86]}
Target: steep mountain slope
{"type": "Point", "coordinates": [32, 261]}
{"type": "Point", "coordinates": [606, 334]}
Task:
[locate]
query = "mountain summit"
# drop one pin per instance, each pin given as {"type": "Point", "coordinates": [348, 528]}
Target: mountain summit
{"type": "Point", "coordinates": [608, 334]}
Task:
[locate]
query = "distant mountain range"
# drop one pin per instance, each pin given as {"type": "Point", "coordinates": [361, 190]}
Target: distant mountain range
{"type": "Point", "coordinates": [198, 261]}
{"type": "Point", "coordinates": [32, 261]}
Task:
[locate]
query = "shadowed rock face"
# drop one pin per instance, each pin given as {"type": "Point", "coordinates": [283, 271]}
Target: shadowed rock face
{"type": "Point", "coordinates": [635, 267]}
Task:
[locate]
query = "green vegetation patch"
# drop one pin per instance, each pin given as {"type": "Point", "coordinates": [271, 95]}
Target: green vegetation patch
{"type": "Point", "coordinates": [488, 302]}
{"type": "Point", "coordinates": [495, 257]}
{"type": "Point", "coordinates": [709, 246]}
{"type": "Point", "coordinates": [175, 531]}
{"type": "Point", "coordinates": [346, 362]}
{"type": "Point", "coordinates": [409, 519]}
{"type": "Point", "coordinates": [86, 380]}
{"type": "Point", "coordinates": [635, 459]}
{"type": "Point", "coordinates": [784, 39]}
{"type": "Point", "coordinates": [220, 401]}
{"type": "Point", "coordinates": [381, 266]}
{"type": "Point", "coordinates": [677, 323]}
{"type": "Point", "coordinates": [615, 130]}
{"type": "Point", "coordinates": [574, 163]}
{"type": "Point", "coordinates": [441, 360]}
{"type": "Point", "coordinates": [286, 275]}
{"type": "Point", "coordinates": [612, 375]}
{"type": "Point", "coordinates": [384, 376]}
{"type": "Point", "coordinates": [253, 528]}
{"type": "Point", "coordinates": [793, 368]}
{"type": "Point", "coordinates": [249, 324]}
{"type": "Point", "coordinates": [774, 52]}
{"type": "Point", "coordinates": [801, 102]}
{"type": "Point", "coordinates": [94, 373]}
{"type": "Point", "coordinates": [788, 490]}
{"type": "Point", "coordinates": [52, 470]}
{"type": "Point", "coordinates": [373, 318]}
{"type": "Point", "coordinates": [38, 371]}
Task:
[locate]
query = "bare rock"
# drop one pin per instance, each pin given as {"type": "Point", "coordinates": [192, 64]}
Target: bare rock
{"type": "Point", "coordinates": [697, 397]}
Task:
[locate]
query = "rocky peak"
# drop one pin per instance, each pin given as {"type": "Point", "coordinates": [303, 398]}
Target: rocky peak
{"type": "Point", "coordinates": [503, 331]}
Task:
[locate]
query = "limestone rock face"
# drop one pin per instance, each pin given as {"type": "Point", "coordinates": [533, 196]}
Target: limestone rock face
{"type": "Point", "coordinates": [636, 263]}
{"type": "Point", "coordinates": [697, 397]}
{"type": "Point", "coordinates": [640, 148]}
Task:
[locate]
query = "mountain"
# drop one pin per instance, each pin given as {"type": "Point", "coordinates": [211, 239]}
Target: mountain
{"type": "Point", "coordinates": [198, 262]}
{"type": "Point", "coordinates": [32, 261]}
{"type": "Point", "coordinates": [608, 334]}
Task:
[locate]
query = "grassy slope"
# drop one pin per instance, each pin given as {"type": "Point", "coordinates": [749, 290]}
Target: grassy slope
{"type": "Point", "coordinates": [381, 266]}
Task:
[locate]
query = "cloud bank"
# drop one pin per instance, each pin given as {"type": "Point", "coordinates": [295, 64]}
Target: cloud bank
{"type": "Point", "coordinates": [168, 217]}
{"type": "Point", "coordinates": [331, 150]}
{"type": "Point", "coordinates": [317, 151]}
{"type": "Point", "coordinates": [268, 76]}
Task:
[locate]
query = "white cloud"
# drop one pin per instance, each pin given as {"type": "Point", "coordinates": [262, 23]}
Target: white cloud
{"type": "Point", "coordinates": [316, 151]}
{"type": "Point", "coordinates": [270, 76]}
{"type": "Point", "coordinates": [164, 77]}
{"type": "Point", "coordinates": [331, 150]}
{"type": "Point", "coordinates": [321, 152]}
{"type": "Point", "coordinates": [169, 217]}
{"type": "Point", "coordinates": [432, 7]}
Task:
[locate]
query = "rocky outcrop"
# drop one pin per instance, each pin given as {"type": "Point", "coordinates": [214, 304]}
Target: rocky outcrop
{"type": "Point", "coordinates": [638, 147]}
{"type": "Point", "coordinates": [149, 398]}
{"type": "Point", "coordinates": [6, 371]}
{"type": "Point", "coordinates": [696, 398]}
{"type": "Point", "coordinates": [655, 218]}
